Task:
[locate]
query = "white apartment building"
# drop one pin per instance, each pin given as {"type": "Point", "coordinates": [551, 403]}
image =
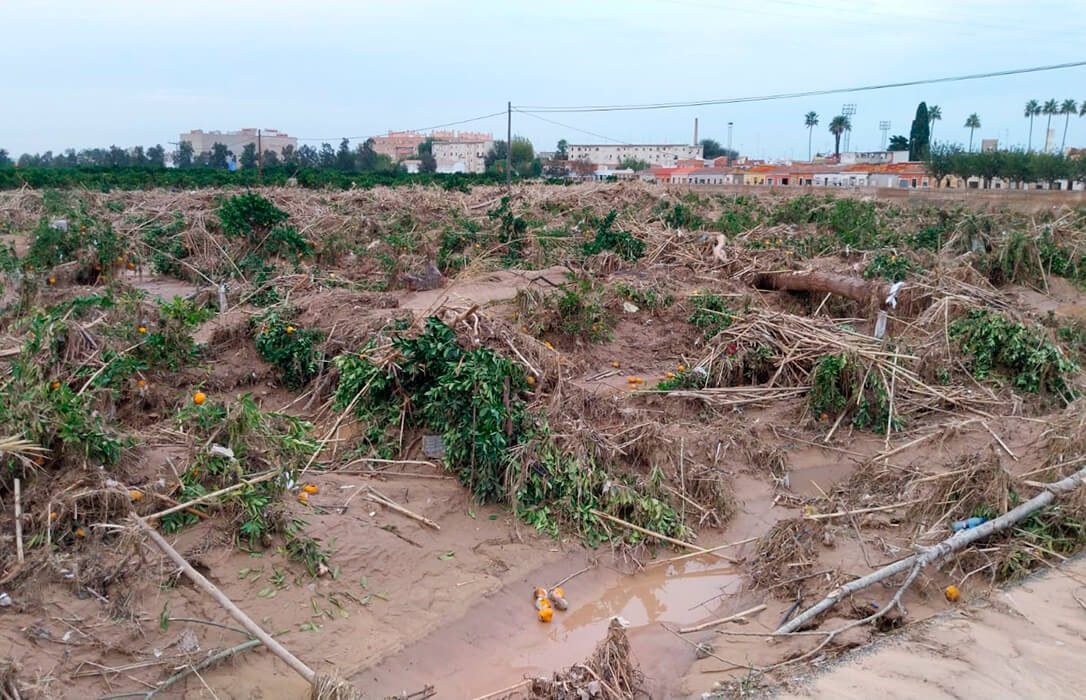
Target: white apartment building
{"type": "Point", "coordinates": [653, 154]}
{"type": "Point", "coordinates": [461, 153]}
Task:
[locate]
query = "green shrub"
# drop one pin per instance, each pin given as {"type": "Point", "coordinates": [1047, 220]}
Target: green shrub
{"type": "Point", "coordinates": [621, 242]}
{"type": "Point", "coordinates": [293, 350]}
{"type": "Point", "coordinates": [994, 343]}
{"type": "Point", "coordinates": [711, 313]}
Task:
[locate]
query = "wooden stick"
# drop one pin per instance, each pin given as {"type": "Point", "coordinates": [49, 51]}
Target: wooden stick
{"type": "Point", "coordinates": [235, 612]}
{"type": "Point", "coordinates": [18, 521]}
{"type": "Point", "coordinates": [657, 535]}
{"type": "Point", "coordinates": [876, 509]}
{"type": "Point", "coordinates": [572, 576]}
{"type": "Point", "coordinates": [711, 550]}
{"type": "Point", "coordinates": [1000, 441]}
{"type": "Point", "coordinates": [721, 621]}
{"type": "Point", "coordinates": [927, 555]}
{"type": "Point", "coordinates": [213, 494]}
{"type": "Point", "coordinates": [503, 691]}
{"type": "Point", "coordinates": [378, 497]}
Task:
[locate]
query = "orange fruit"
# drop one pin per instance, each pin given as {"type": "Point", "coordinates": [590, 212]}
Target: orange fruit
{"type": "Point", "coordinates": [39, 461]}
{"type": "Point", "coordinates": [331, 274]}
{"type": "Point", "coordinates": [559, 592]}
{"type": "Point", "coordinates": [539, 593]}
{"type": "Point", "coordinates": [79, 532]}
{"type": "Point", "coordinates": [546, 614]}
{"type": "Point", "coordinates": [56, 385]}
{"type": "Point", "coordinates": [135, 495]}
{"type": "Point", "coordinates": [141, 383]}
{"type": "Point", "coordinates": [53, 515]}
{"type": "Point", "coordinates": [198, 398]}
{"type": "Point", "coordinates": [530, 379]}
{"type": "Point", "coordinates": [131, 266]}
{"type": "Point", "coordinates": [615, 365]}
{"type": "Point", "coordinates": [670, 375]}
{"type": "Point", "coordinates": [682, 368]}
{"type": "Point", "coordinates": [143, 329]}
{"type": "Point", "coordinates": [303, 498]}
{"type": "Point", "coordinates": [52, 280]}
{"type": "Point", "coordinates": [952, 593]}
{"type": "Point", "coordinates": [824, 417]}
{"type": "Point", "coordinates": [120, 259]}
{"type": "Point", "coordinates": [310, 488]}
{"type": "Point", "coordinates": [290, 329]}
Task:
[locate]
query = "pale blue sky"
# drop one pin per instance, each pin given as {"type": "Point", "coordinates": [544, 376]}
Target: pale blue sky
{"type": "Point", "coordinates": [129, 72]}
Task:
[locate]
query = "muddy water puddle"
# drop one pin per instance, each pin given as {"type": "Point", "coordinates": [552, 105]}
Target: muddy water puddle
{"type": "Point", "coordinates": [499, 641]}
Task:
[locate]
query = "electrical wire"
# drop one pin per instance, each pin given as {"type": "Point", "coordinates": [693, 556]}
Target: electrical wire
{"type": "Point", "coordinates": [792, 95]}
{"type": "Point", "coordinates": [572, 128]}
{"type": "Point", "coordinates": [425, 128]}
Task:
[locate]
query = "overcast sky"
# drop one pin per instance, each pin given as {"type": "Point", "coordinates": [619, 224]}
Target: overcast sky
{"type": "Point", "coordinates": [127, 72]}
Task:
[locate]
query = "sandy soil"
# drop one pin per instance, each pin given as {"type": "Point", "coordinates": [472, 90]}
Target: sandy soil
{"type": "Point", "coordinates": [1027, 641]}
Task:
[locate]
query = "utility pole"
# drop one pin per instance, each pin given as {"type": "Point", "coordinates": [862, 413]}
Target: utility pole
{"type": "Point", "coordinates": [730, 136]}
{"type": "Point", "coordinates": [509, 146]}
{"type": "Point", "coordinates": [259, 159]}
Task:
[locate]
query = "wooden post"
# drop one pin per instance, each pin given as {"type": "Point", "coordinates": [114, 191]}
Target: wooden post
{"type": "Point", "coordinates": [18, 521]}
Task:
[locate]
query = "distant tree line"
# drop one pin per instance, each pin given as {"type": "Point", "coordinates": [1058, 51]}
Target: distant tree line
{"type": "Point", "coordinates": [1016, 166]}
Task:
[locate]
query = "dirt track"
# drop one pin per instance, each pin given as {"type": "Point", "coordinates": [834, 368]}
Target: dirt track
{"type": "Point", "coordinates": [1026, 641]}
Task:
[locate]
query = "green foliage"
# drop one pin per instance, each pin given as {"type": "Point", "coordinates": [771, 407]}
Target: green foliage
{"type": "Point", "coordinates": [711, 313]}
{"type": "Point", "coordinates": [254, 437]}
{"type": "Point", "coordinates": [621, 242]}
{"type": "Point", "coordinates": [167, 246]}
{"type": "Point", "coordinates": [578, 310]}
{"type": "Point", "coordinates": [450, 257]}
{"type": "Point", "coordinates": [257, 220]}
{"type": "Point", "coordinates": [293, 350]}
{"type": "Point", "coordinates": [633, 164]}
{"type": "Point", "coordinates": [105, 179]}
{"type": "Point", "coordinates": [249, 215]}
{"type": "Point", "coordinates": [994, 343]}
{"type": "Point", "coordinates": [839, 383]}
{"type": "Point", "coordinates": [830, 386]}
{"type": "Point", "coordinates": [919, 134]}
{"type": "Point", "coordinates": [511, 230]}
{"type": "Point", "coordinates": [889, 266]}
{"type": "Point", "coordinates": [470, 398]}
{"type": "Point", "coordinates": [740, 213]}
{"type": "Point", "coordinates": [681, 216]}
{"type": "Point", "coordinates": [649, 298]}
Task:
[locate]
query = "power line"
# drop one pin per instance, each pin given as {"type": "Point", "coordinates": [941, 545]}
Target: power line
{"type": "Point", "coordinates": [793, 95]}
{"type": "Point", "coordinates": [573, 128]}
{"type": "Point", "coordinates": [425, 128]}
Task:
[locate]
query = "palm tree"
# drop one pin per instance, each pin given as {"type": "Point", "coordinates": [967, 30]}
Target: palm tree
{"type": "Point", "coordinates": [1050, 107]}
{"type": "Point", "coordinates": [934, 114]}
{"type": "Point", "coordinates": [1068, 108]}
{"type": "Point", "coordinates": [810, 120]}
{"type": "Point", "coordinates": [971, 123]}
{"type": "Point", "coordinates": [838, 126]}
{"type": "Point", "coordinates": [1032, 110]}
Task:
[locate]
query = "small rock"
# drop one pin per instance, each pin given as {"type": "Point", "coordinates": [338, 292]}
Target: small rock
{"type": "Point", "coordinates": [189, 642]}
{"type": "Point", "coordinates": [827, 539]}
{"type": "Point", "coordinates": [630, 308]}
{"type": "Point", "coordinates": [220, 451]}
{"type": "Point", "coordinates": [703, 650]}
{"type": "Point", "coordinates": [59, 225]}
{"type": "Point", "coordinates": [5, 600]}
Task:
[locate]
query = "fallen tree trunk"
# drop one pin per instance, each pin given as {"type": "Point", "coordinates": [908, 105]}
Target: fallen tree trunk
{"type": "Point", "coordinates": [928, 555]}
{"type": "Point", "coordinates": [861, 290]}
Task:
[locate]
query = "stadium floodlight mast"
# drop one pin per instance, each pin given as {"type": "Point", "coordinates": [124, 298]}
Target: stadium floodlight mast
{"type": "Point", "coordinates": [848, 110]}
{"type": "Point", "coordinates": [884, 127]}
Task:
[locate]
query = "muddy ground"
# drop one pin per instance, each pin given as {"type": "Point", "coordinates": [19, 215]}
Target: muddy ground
{"type": "Point", "coordinates": [405, 606]}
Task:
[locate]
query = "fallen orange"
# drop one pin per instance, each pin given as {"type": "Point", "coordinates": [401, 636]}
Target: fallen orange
{"type": "Point", "coordinates": [952, 593]}
{"type": "Point", "coordinates": [135, 495]}
{"type": "Point", "coordinates": [310, 488]}
{"type": "Point", "coordinates": [198, 398]}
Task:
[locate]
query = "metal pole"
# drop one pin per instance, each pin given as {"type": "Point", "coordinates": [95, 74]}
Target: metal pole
{"type": "Point", "coordinates": [259, 159]}
{"type": "Point", "coordinates": [509, 146]}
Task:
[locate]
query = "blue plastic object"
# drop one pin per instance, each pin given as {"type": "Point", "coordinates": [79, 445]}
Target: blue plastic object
{"type": "Point", "coordinates": [968, 524]}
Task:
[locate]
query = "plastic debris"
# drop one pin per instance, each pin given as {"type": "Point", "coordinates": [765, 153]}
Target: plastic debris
{"type": "Point", "coordinates": [967, 524]}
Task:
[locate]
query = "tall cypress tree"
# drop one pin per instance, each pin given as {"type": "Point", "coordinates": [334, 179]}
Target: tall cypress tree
{"type": "Point", "coordinates": [919, 134]}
